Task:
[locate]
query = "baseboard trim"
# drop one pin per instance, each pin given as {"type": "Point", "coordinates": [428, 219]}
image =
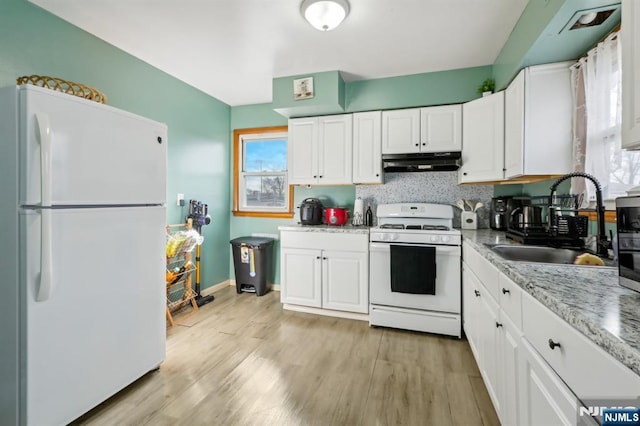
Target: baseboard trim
{"type": "Point", "coordinates": [326, 312]}
{"type": "Point", "coordinates": [229, 283]}
{"type": "Point", "coordinates": [215, 288]}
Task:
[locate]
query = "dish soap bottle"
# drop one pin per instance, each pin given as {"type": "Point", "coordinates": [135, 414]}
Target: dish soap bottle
{"type": "Point", "coordinates": [368, 216]}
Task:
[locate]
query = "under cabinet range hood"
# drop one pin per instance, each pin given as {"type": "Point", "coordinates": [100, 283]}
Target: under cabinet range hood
{"type": "Point", "coordinates": [421, 162]}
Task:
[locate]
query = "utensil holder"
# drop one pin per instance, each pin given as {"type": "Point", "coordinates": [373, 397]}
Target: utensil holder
{"type": "Point", "coordinates": [469, 220]}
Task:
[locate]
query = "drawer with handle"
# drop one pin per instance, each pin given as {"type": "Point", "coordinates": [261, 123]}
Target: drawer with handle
{"type": "Point", "coordinates": [484, 270]}
{"type": "Point", "coordinates": [588, 370]}
{"type": "Point", "coordinates": [511, 300]}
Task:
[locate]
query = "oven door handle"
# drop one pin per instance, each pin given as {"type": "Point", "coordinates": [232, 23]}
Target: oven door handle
{"type": "Point", "coordinates": [440, 250]}
{"type": "Point", "coordinates": [380, 247]}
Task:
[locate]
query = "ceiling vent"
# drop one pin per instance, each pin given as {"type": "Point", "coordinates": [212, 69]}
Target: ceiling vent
{"type": "Point", "coordinates": [590, 17]}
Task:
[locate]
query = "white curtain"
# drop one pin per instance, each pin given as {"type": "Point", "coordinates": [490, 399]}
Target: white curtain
{"type": "Point", "coordinates": [598, 77]}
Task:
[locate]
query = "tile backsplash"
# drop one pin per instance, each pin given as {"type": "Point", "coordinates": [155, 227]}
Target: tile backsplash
{"type": "Point", "coordinates": [427, 187]}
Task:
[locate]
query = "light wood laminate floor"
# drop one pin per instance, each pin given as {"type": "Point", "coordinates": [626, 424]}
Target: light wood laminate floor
{"type": "Point", "coordinates": [242, 360]}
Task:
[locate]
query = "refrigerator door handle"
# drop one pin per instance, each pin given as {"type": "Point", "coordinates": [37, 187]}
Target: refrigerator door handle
{"type": "Point", "coordinates": [46, 263]}
{"type": "Point", "coordinates": [44, 128]}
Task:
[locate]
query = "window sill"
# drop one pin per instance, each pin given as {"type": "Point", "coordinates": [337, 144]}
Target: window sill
{"type": "Point", "coordinates": [609, 215]}
{"type": "Point", "coordinates": [271, 215]}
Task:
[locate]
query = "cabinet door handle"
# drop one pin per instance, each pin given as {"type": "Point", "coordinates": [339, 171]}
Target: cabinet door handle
{"type": "Point", "coordinates": [315, 176]}
{"type": "Point", "coordinates": [324, 258]}
{"type": "Point", "coordinates": [377, 174]}
{"type": "Point", "coordinates": [423, 144]}
{"type": "Point", "coordinates": [505, 291]}
{"type": "Point", "coordinates": [320, 176]}
{"type": "Point", "coordinates": [477, 293]}
{"type": "Point", "coordinates": [464, 173]}
{"type": "Point", "coordinates": [553, 344]}
{"type": "Point", "coordinates": [317, 257]}
{"type": "Point", "coordinates": [498, 325]}
{"type": "Point", "coordinates": [417, 144]}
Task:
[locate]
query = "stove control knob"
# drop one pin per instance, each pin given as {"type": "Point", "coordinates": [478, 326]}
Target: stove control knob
{"type": "Point", "coordinates": [393, 237]}
{"type": "Point", "coordinates": [445, 238]}
{"type": "Point", "coordinates": [434, 238]}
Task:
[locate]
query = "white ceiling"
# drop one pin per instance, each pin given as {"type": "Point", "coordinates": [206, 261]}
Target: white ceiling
{"type": "Point", "coordinates": [232, 49]}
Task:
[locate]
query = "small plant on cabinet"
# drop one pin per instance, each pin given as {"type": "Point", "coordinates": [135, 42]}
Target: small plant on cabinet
{"type": "Point", "coordinates": [488, 85]}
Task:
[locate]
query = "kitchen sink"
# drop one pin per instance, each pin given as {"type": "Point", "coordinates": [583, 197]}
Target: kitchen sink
{"type": "Point", "coordinates": [541, 254]}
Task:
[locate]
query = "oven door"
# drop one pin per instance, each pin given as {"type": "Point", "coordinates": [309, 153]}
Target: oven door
{"type": "Point", "coordinates": [447, 285]}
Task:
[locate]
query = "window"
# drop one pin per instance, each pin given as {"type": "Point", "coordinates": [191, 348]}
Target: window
{"type": "Point", "coordinates": [260, 186]}
{"type": "Point", "coordinates": [597, 87]}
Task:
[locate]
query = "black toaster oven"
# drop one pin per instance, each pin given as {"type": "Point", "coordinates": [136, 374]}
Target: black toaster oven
{"type": "Point", "coordinates": [628, 233]}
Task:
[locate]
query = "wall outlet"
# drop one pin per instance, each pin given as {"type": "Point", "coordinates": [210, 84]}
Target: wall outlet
{"type": "Point", "coordinates": [180, 200]}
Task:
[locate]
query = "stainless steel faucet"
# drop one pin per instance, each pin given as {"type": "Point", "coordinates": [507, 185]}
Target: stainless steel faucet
{"type": "Point", "coordinates": [602, 244]}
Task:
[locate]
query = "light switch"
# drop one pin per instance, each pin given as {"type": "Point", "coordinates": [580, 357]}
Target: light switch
{"type": "Point", "coordinates": [180, 201]}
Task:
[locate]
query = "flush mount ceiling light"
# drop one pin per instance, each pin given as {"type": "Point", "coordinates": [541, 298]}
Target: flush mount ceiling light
{"type": "Point", "coordinates": [324, 15]}
{"type": "Point", "coordinates": [590, 17]}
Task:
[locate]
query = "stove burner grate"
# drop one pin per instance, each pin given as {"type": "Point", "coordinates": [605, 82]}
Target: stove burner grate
{"type": "Point", "coordinates": [435, 228]}
{"type": "Point", "coordinates": [392, 226]}
{"type": "Point", "coordinates": [415, 227]}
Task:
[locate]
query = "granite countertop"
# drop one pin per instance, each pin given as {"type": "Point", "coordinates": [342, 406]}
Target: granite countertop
{"type": "Point", "coordinates": [325, 228]}
{"type": "Point", "coordinates": [588, 298]}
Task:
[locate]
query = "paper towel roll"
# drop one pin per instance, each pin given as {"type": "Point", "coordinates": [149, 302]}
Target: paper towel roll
{"type": "Point", "coordinates": [358, 212]}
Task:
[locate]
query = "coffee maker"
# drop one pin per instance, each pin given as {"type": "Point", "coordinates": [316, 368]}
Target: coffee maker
{"type": "Point", "coordinates": [500, 212]}
{"type": "Point", "coordinates": [501, 218]}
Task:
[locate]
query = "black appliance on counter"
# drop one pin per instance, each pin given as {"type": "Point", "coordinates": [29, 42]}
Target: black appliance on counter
{"type": "Point", "coordinates": [628, 233]}
{"type": "Point", "coordinates": [514, 209]}
{"type": "Point", "coordinates": [528, 223]}
{"type": "Point", "coordinates": [311, 212]}
{"type": "Point", "coordinates": [524, 222]}
{"type": "Point", "coordinates": [499, 213]}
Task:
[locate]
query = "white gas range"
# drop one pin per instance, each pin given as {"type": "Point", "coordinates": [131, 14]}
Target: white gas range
{"type": "Point", "coordinates": [414, 269]}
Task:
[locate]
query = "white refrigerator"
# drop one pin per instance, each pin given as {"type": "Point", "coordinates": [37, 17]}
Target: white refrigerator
{"type": "Point", "coordinates": [82, 226]}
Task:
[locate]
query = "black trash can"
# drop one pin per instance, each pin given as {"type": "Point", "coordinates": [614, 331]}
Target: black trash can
{"type": "Point", "coordinates": [252, 263]}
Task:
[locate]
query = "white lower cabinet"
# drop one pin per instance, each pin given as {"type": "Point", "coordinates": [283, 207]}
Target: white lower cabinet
{"type": "Point", "coordinates": [510, 354]}
{"type": "Point", "coordinates": [484, 330]}
{"type": "Point", "coordinates": [345, 284]}
{"type": "Point", "coordinates": [543, 398]}
{"type": "Point", "coordinates": [325, 270]}
{"type": "Point", "coordinates": [536, 367]}
{"type": "Point", "coordinates": [302, 273]}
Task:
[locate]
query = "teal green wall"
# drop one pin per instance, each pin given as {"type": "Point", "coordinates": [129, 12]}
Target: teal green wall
{"type": "Point", "coordinates": [532, 22]}
{"type": "Point", "coordinates": [437, 88]}
{"type": "Point", "coordinates": [538, 36]}
{"type": "Point", "coordinates": [32, 41]}
{"type": "Point", "coordinates": [328, 88]}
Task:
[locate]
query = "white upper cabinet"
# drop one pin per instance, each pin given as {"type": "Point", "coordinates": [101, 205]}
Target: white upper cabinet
{"type": "Point", "coordinates": [367, 147]}
{"type": "Point", "coordinates": [401, 131]}
{"type": "Point", "coordinates": [320, 150]}
{"type": "Point", "coordinates": [441, 128]}
{"type": "Point", "coordinates": [483, 134]}
{"type": "Point", "coordinates": [538, 111]}
{"type": "Point", "coordinates": [335, 149]}
{"type": "Point", "coordinates": [630, 74]}
{"type": "Point", "coordinates": [302, 148]}
{"type": "Point", "coordinates": [429, 129]}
